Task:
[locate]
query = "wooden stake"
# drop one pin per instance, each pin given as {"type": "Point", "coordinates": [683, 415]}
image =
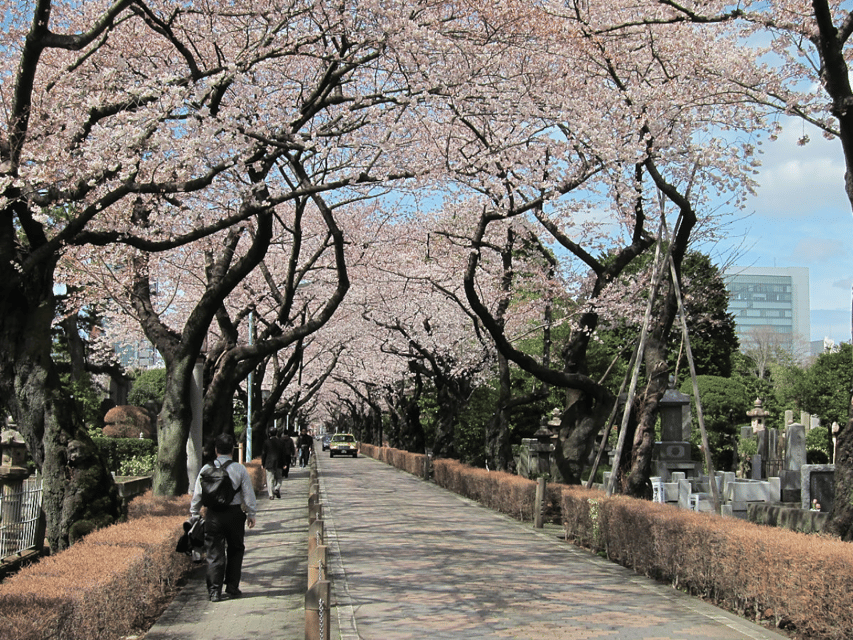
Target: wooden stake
{"type": "Point", "coordinates": [632, 390]}
{"type": "Point", "coordinates": [708, 463]}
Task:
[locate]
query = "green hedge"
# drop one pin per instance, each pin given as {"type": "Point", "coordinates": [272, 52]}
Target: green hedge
{"type": "Point", "coordinates": [116, 450]}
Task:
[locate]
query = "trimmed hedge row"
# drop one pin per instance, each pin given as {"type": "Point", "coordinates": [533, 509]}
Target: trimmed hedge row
{"type": "Point", "coordinates": [798, 581]}
{"type": "Point", "coordinates": [105, 586]}
{"type": "Point", "coordinates": [414, 463]}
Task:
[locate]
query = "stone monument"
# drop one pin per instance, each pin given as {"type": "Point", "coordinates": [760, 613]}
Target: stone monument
{"type": "Point", "coordinates": [673, 452]}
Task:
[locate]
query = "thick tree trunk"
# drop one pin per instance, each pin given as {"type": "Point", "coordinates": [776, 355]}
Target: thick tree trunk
{"type": "Point", "coordinates": [580, 422]}
{"type": "Point", "coordinates": [79, 493]}
{"type": "Point", "coordinates": [643, 443]}
{"type": "Point", "coordinates": [173, 428]}
{"type": "Point", "coordinates": [498, 446]}
{"type": "Point", "coordinates": [444, 442]}
{"type": "Point", "coordinates": [411, 435]}
{"type": "Point", "coordinates": [840, 522]}
{"type": "Point", "coordinates": [219, 400]}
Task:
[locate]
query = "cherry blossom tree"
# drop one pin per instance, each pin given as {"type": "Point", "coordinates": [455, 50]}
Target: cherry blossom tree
{"type": "Point", "coordinates": [154, 126]}
{"type": "Point", "coordinates": [805, 75]}
{"type": "Point", "coordinates": [408, 297]}
{"type": "Point", "coordinates": [661, 141]}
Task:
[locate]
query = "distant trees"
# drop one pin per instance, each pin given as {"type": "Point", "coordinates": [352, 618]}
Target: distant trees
{"type": "Point", "coordinates": [823, 387]}
{"type": "Point", "coordinates": [147, 386]}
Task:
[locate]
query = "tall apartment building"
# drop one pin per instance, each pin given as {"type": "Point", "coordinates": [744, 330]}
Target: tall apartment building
{"type": "Point", "coordinates": [771, 299]}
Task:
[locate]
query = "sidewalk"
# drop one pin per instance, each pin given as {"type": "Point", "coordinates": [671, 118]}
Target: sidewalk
{"type": "Point", "coordinates": [417, 561]}
{"type": "Point", "coordinates": [273, 582]}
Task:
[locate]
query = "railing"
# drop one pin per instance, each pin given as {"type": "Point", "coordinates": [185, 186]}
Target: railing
{"type": "Point", "coordinates": [20, 511]}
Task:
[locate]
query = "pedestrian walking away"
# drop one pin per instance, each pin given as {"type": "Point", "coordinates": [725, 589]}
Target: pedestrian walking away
{"type": "Point", "coordinates": [304, 446]}
{"type": "Point", "coordinates": [225, 489]}
{"type": "Point", "coordinates": [272, 460]}
{"type": "Point", "coordinates": [289, 453]}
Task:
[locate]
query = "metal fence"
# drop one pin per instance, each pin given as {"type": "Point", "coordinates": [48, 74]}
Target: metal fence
{"type": "Point", "coordinates": [20, 510]}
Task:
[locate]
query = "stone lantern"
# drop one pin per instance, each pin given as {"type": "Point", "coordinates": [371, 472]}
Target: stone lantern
{"type": "Point", "coordinates": [544, 443]}
{"type": "Point", "coordinates": [13, 456]}
{"type": "Point", "coordinates": [757, 416]}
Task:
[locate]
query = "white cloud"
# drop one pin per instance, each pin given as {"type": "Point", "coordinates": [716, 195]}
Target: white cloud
{"type": "Point", "coordinates": [809, 250]}
{"type": "Point", "coordinates": [844, 283]}
{"type": "Point", "coordinates": [795, 179]}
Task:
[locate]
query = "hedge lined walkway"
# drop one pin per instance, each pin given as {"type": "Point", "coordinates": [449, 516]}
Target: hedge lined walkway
{"type": "Point", "coordinates": [419, 562]}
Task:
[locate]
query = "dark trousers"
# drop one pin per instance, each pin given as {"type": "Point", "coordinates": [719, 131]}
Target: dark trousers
{"type": "Point", "coordinates": [223, 543]}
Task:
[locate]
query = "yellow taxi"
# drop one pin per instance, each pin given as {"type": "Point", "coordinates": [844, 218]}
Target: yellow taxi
{"type": "Point", "coordinates": [343, 444]}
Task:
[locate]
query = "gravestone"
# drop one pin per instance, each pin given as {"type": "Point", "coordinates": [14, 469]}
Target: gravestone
{"type": "Point", "coordinates": [795, 458]}
{"type": "Point", "coordinates": [818, 483]}
{"type": "Point", "coordinates": [672, 452]}
{"type": "Point", "coordinates": [789, 417]}
{"type": "Point", "coordinates": [756, 467]}
{"type": "Point", "coordinates": [686, 422]}
{"type": "Point", "coordinates": [758, 471]}
{"type": "Point", "coordinates": [795, 453]}
{"type": "Point", "coordinates": [773, 463]}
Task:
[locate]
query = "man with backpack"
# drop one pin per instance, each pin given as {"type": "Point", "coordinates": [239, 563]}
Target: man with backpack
{"type": "Point", "coordinates": [225, 488]}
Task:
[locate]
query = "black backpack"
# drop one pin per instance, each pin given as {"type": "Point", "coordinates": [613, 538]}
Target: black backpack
{"type": "Point", "coordinates": [217, 491]}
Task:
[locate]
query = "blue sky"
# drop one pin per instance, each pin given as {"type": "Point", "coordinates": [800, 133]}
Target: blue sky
{"type": "Point", "coordinates": [801, 217]}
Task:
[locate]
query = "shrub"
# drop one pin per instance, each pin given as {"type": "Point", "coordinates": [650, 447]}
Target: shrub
{"type": "Point", "coordinates": [115, 451]}
{"type": "Point", "coordinates": [148, 386]}
{"type": "Point", "coordinates": [105, 585]}
{"type": "Point", "coordinates": [137, 465]}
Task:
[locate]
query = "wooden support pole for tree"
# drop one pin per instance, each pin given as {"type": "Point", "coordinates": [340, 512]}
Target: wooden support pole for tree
{"type": "Point", "coordinates": [641, 347]}
{"type": "Point", "coordinates": [541, 492]}
{"type": "Point", "coordinates": [608, 425]}
{"type": "Point", "coordinates": [712, 480]}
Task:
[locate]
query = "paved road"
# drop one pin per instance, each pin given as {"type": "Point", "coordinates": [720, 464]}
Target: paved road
{"type": "Point", "coordinates": [419, 562]}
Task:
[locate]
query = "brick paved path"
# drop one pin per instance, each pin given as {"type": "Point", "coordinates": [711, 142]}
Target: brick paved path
{"type": "Point", "coordinates": [419, 562]}
{"type": "Point", "coordinates": [409, 560]}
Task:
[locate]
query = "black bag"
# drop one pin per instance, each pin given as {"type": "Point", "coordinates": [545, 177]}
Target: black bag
{"type": "Point", "coordinates": [193, 538]}
{"type": "Point", "coordinates": [217, 491]}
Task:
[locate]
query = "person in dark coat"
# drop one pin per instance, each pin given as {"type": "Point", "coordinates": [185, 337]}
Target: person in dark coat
{"type": "Point", "coordinates": [272, 460]}
{"type": "Point", "coordinates": [289, 453]}
{"type": "Point", "coordinates": [304, 445]}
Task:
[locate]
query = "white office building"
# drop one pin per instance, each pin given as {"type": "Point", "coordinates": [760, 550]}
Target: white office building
{"type": "Point", "coordinates": [770, 299]}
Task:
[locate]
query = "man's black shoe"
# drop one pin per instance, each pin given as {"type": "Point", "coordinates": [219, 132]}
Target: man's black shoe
{"type": "Point", "coordinates": [215, 595]}
{"type": "Point", "coordinates": [233, 593]}
{"type": "Point", "coordinates": [277, 493]}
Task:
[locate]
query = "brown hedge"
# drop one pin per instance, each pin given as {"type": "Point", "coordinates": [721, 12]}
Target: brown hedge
{"type": "Point", "coordinates": [105, 586]}
{"type": "Point", "coordinates": [414, 463]}
{"type": "Point", "coordinates": [803, 582]}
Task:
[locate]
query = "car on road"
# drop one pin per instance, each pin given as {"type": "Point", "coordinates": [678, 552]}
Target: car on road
{"type": "Point", "coordinates": [326, 440]}
{"type": "Point", "coordinates": [343, 444]}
